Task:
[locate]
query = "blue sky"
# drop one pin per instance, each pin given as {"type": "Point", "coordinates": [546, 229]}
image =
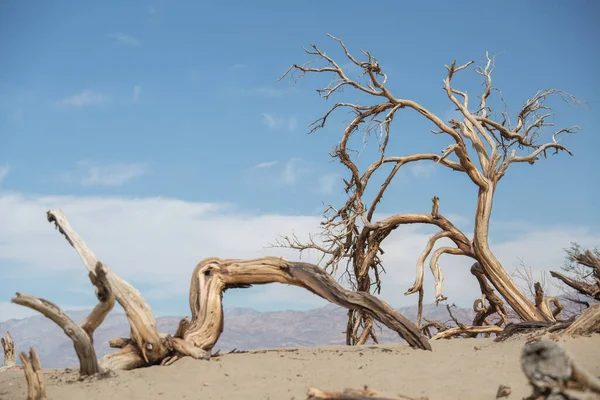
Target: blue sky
{"type": "Point", "coordinates": [118, 103]}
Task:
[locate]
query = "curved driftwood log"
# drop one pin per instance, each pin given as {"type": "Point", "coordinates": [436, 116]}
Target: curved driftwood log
{"type": "Point", "coordinates": [36, 388]}
{"type": "Point", "coordinates": [9, 350]}
{"type": "Point", "coordinates": [214, 275]}
{"type": "Point", "coordinates": [554, 374]}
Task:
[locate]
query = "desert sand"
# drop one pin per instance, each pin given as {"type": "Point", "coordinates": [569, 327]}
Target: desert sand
{"type": "Point", "coordinates": [455, 369]}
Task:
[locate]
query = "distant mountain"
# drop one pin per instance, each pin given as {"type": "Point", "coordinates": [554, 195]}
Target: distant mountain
{"type": "Point", "coordinates": [244, 329]}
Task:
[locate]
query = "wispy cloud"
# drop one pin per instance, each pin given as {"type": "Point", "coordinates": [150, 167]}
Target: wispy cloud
{"type": "Point", "coordinates": [278, 123]}
{"type": "Point", "coordinates": [422, 170]}
{"type": "Point", "coordinates": [266, 164]}
{"type": "Point", "coordinates": [89, 173]}
{"type": "Point", "coordinates": [293, 169]}
{"type": "Point", "coordinates": [235, 67]}
{"type": "Point", "coordinates": [137, 91]}
{"type": "Point", "coordinates": [151, 10]}
{"type": "Point", "coordinates": [328, 182]}
{"type": "Point", "coordinates": [124, 39]}
{"type": "Point", "coordinates": [84, 99]}
{"type": "Point", "coordinates": [3, 172]}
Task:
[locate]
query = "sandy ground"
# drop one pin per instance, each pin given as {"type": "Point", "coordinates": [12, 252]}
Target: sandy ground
{"type": "Point", "coordinates": [456, 369]}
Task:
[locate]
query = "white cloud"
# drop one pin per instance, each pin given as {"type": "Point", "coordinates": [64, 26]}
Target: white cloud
{"type": "Point", "coordinates": [278, 123]}
{"type": "Point", "coordinates": [422, 170]}
{"type": "Point", "coordinates": [124, 39]}
{"type": "Point", "coordinates": [328, 182]}
{"type": "Point", "coordinates": [3, 172]}
{"type": "Point", "coordinates": [293, 169]}
{"type": "Point", "coordinates": [137, 91]}
{"type": "Point", "coordinates": [89, 173]}
{"type": "Point", "coordinates": [151, 10]}
{"type": "Point", "coordinates": [158, 241]}
{"type": "Point", "coordinates": [85, 99]}
{"type": "Point", "coordinates": [266, 164]}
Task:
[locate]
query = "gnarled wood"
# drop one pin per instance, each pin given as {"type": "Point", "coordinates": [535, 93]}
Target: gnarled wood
{"type": "Point", "coordinates": [213, 275]}
{"type": "Point", "coordinates": [141, 320]}
{"type": "Point", "coordinates": [36, 387]}
{"type": "Point", "coordinates": [552, 372]}
{"type": "Point", "coordinates": [88, 364]}
{"type": "Point", "coordinates": [9, 350]}
{"type": "Point", "coordinates": [585, 288]}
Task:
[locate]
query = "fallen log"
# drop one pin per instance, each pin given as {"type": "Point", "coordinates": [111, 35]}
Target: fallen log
{"type": "Point", "coordinates": [36, 387]}
{"type": "Point", "coordinates": [553, 374]}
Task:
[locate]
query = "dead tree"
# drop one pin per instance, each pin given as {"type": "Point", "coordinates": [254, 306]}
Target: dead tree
{"type": "Point", "coordinates": [195, 337]}
{"type": "Point", "coordinates": [9, 350]}
{"type": "Point", "coordinates": [481, 147]}
{"type": "Point", "coordinates": [36, 387]}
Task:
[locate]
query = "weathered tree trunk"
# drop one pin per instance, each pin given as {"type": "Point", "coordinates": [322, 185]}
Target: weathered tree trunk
{"type": "Point", "coordinates": [36, 387]}
{"type": "Point", "coordinates": [492, 267]}
{"type": "Point", "coordinates": [211, 276]}
{"type": "Point", "coordinates": [9, 350]}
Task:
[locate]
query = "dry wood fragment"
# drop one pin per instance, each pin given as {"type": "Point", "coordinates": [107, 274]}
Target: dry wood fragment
{"type": "Point", "coordinates": [587, 323]}
{"type": "Point", "coordinates": [8, 345]}
{"type": "Point", "coordinates": [353, 394]}
{"type": "Point", "coordinates": [36, 387]}
{"type": "Point", "coordinates": [554, 374]}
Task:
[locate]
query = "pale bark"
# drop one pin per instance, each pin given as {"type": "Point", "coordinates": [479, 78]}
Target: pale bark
{"type": "Point", "coordinates": [8, 345]}
{"type": "Point", "coordinates": [36, 387]}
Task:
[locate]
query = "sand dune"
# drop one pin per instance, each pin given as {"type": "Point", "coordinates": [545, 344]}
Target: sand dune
{"type": "Point", "coordinates": [456, 369]}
